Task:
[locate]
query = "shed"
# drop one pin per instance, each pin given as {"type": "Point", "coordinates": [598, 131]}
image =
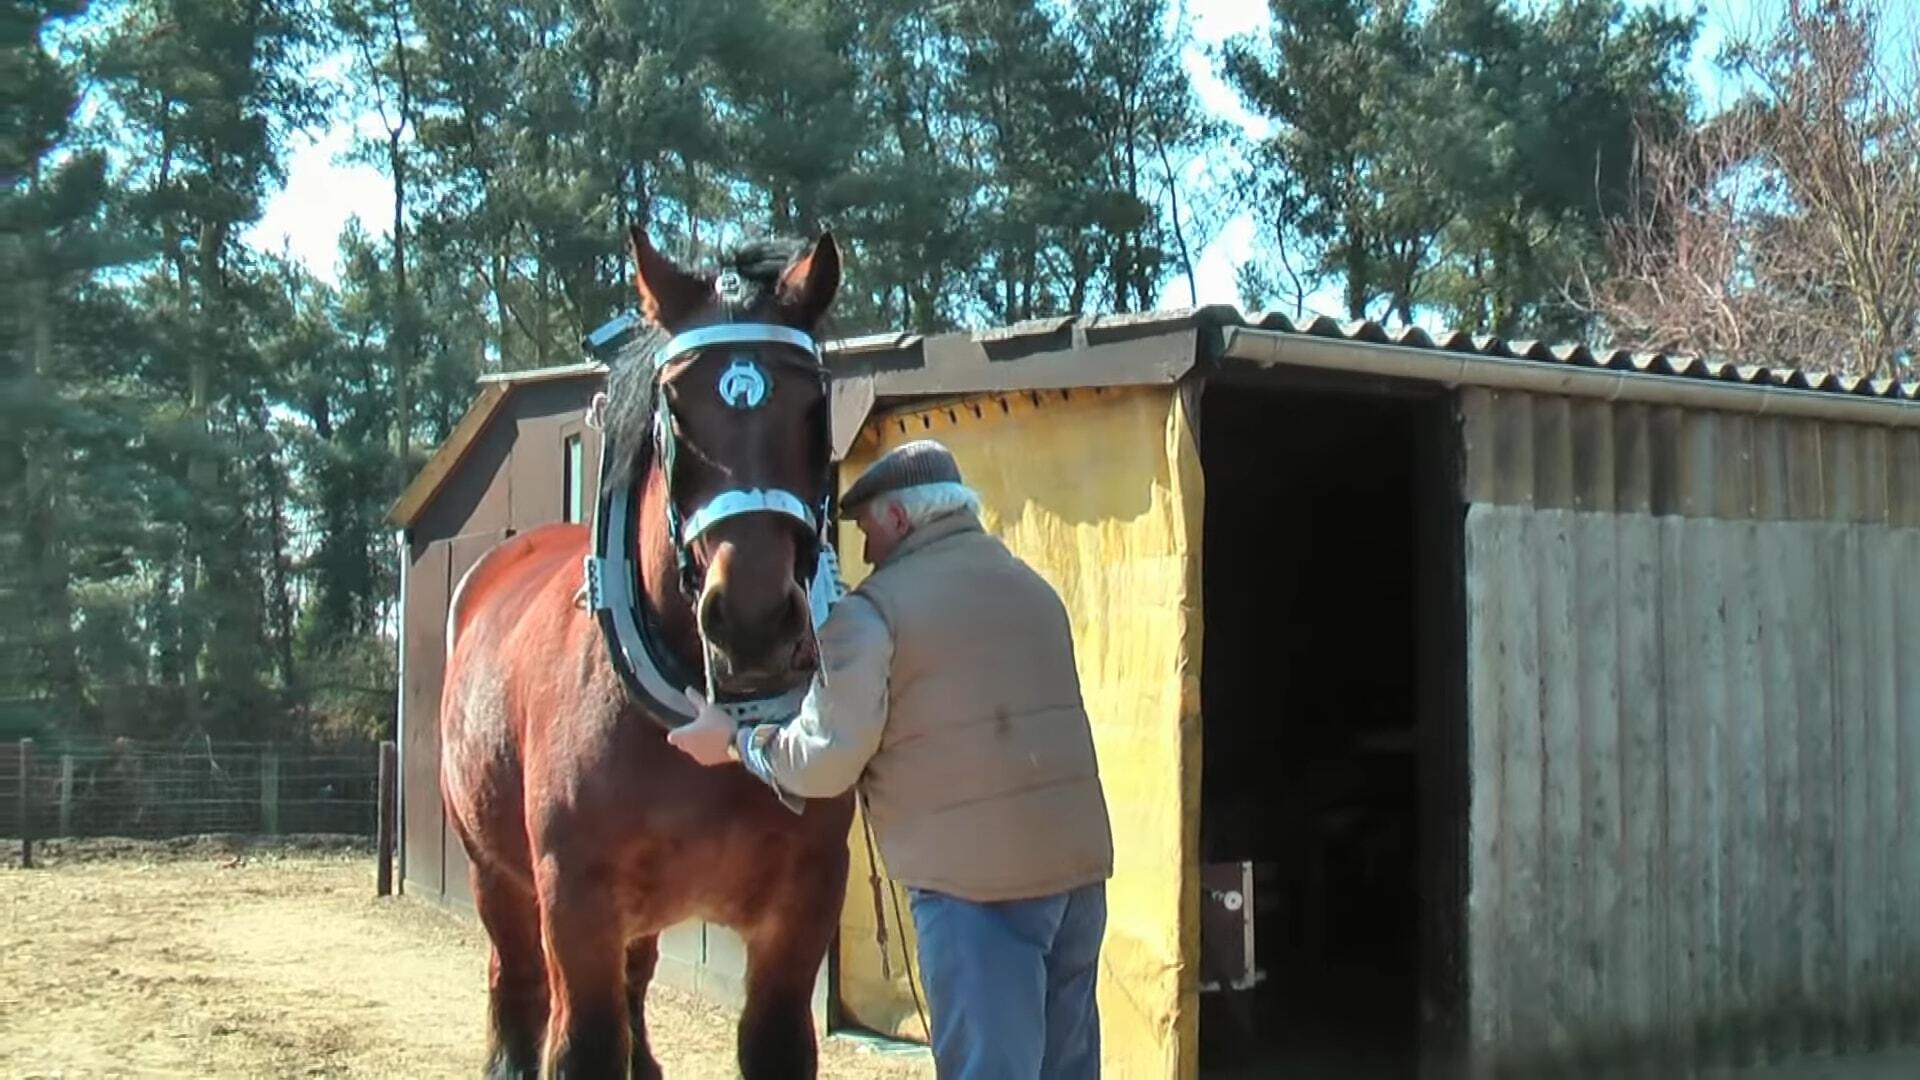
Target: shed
{"type": "Point", "coordinates": [1465, 706]}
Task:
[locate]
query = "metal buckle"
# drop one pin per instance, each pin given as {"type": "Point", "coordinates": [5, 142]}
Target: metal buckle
{"type": "Point", "coordinates": [592, 568]}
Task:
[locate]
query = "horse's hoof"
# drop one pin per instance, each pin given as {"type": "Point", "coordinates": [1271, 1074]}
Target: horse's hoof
{"type": "Point", "coordinates": [503, 1067]}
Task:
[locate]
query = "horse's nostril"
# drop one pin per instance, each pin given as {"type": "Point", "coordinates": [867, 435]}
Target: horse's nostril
{"type": "Point", "coordinates": [712, 614]}
{"type": "Point", "coordinates": [790, 620]}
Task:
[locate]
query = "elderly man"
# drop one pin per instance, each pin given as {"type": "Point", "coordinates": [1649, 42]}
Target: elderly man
{"type": "Point", "coordinates": [948, 694]}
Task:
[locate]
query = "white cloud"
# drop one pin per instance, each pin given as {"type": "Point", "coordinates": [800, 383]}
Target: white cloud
{"type": "Point", "coordinates": [322, 194]}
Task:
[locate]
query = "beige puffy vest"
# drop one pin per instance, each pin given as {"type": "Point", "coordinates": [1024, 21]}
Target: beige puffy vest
{"type": "Point", "coordinates": [985, 786]}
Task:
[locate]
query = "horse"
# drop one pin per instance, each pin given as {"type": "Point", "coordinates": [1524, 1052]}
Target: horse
{"type": "Point", "coordinates": [587, 833]}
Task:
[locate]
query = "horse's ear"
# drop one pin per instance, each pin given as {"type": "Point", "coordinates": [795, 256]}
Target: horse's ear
{"type": "Point", "coordinates": [808, 285]}
{"type": "Point", "coordinates": [668, 294]}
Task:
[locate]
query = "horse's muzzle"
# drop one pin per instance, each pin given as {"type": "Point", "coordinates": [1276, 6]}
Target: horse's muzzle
{"type": "Point", "coordinates": [757, 652]}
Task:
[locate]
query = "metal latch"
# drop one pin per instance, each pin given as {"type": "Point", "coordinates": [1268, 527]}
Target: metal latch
{"type": "Point", "coordinates": [1227, 957]}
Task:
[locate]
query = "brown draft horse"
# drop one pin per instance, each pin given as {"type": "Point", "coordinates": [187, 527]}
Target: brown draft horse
{"type": "Point", "coordinates": [588, 833]}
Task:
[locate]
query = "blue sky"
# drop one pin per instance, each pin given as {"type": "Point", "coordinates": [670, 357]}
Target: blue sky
{"type": "Point", "coordinates": [324, 192]}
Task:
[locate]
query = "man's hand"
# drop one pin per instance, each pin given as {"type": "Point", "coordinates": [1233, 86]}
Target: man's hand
{"type": "Point", "coordinates": [709, 738]}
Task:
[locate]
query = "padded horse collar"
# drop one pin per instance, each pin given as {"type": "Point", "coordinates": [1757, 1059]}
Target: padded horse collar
{"type": "Point", "coordinates": [628, 625]}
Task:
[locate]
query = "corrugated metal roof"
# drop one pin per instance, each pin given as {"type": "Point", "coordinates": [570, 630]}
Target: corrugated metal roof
{"type": "Point", "coordinates": [1149, 348]}
{"type": "Point", "coordinates": [1622, 360]}
{"type": "Point", "coordinates": [1221, 317]}
{"type": "Point", "coordinates": [1003, 357]}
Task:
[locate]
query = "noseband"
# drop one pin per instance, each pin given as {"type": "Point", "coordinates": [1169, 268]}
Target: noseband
{"type": "Point", "coordinates": [612, 579]}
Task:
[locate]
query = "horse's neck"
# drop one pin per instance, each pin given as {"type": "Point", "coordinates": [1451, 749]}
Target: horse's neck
{"type": "Point", "coordinates": [660, 569]}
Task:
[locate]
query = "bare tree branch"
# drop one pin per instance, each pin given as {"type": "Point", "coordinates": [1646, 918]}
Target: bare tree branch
{"type": "Point", "coordinates": [1786, 230]}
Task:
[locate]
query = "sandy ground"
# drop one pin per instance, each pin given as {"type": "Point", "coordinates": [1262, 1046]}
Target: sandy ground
{"type": "Point", "coordinates": [202, 959]}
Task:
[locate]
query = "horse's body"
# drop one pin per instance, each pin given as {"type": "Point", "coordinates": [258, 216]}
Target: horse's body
{"type": "Point", "coordinates": [589, 834]}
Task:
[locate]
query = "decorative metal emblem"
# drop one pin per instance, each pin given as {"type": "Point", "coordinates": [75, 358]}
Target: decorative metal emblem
{"type": "Point", "coordinates": [730, 287]}
{"type": "Point", "coordinates": [743, 385]}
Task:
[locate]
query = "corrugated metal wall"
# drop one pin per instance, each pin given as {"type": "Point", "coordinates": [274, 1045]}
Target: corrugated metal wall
{"type": "Point", "coordinates": [1694, 733]}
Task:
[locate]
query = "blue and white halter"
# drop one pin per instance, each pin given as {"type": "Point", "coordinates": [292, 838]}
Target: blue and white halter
{"type": "Point", "coordinates": [612, 579]}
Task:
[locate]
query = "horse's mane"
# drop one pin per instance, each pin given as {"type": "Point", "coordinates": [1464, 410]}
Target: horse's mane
{"type": "Point", "coordinates": [630, 385]}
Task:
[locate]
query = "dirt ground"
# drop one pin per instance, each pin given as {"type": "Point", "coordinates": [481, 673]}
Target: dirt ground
{"type": "Point", "coordinates": [204, 958]}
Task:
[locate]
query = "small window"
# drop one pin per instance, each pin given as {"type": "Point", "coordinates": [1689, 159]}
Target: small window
{"type": "Point", "coordinates": [573, 500]}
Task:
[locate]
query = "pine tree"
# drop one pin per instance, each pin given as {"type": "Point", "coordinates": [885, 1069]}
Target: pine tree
{"type": "Point", "coordinates": [56, 376]}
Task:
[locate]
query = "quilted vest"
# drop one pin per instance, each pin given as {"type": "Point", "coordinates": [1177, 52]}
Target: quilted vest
{"type": "Point", "coordinates": [985, 785]}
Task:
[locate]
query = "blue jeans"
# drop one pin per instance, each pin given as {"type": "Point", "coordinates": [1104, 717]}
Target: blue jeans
{"type": "Point", "coordinates": [1011, 985]}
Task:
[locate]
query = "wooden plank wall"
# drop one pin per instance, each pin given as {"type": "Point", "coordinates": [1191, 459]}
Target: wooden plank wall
{"type": "Point", "coordinates": [1694, 735]}
{"type": "Point", "coordinates": [422, 863]}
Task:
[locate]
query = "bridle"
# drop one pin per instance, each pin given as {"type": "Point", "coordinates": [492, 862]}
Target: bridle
{"type": "Point", "coordinates": [612, 579]}
{"type": "Point", "coordinates": [739, 385]}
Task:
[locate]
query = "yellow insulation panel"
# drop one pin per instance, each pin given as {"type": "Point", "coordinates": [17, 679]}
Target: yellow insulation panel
{"type": "Point", "coordinates": [1100, 491]}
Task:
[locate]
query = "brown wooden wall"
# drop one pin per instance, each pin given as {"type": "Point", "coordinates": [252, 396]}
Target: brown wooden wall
{"type": "Point", "coordinates": [1694, 734]}
{"type": "Point", "coordinates": [511, 480]}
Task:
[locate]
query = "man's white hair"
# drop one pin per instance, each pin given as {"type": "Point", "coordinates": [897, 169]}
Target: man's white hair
{"type": "Point", "coordinates": [923, 503]}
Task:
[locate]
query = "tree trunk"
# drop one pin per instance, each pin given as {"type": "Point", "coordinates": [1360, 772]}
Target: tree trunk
{"type": "Point", "coordinates": [402, 332]}
{"type": "Point", "coordinates": [43, 532]}
{"type": "Point", "coordinates": [1179, 234]}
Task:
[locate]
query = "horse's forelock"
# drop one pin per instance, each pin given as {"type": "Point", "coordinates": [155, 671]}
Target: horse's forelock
{"type": "Point", "coordinates": [760, 263]}
{"type": "Point", "coordinates": [629, 416]}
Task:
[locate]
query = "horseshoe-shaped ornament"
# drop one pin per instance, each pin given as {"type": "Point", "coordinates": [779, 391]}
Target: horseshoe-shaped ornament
{"type": "Point", "coordinates": [743, 385]}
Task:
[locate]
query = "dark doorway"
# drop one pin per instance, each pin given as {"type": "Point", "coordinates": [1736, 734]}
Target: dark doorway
{"type": "Point", "coordinates": [1331, 712]}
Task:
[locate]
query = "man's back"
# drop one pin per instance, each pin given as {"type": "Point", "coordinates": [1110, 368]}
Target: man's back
{"type": "Point", "coordinates": [985, 785]}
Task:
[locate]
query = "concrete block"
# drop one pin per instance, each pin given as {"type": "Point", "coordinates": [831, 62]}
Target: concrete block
{"type": "Point", "coordinates": [726, 951]}
{"type": "Point", "coordinates": [685, 942]}
{"type": "Point", "coordinates": [678, 974]}
{"type": "Point", "coordinates": [721, 988]}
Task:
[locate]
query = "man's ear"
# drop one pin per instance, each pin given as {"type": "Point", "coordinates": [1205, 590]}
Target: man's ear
{"type": "Point", "coordinates": [809, 284]}
{"type": "Point", "coordinates": [897, 518]}
{"type": "Point", "coordinates": [668, 294]}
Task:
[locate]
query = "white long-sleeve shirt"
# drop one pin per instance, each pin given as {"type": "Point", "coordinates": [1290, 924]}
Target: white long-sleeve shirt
{"type": "Point", "coordinates": [822, 752]}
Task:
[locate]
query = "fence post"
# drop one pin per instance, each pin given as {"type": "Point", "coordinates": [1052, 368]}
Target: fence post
{"type": "Point", "coordinates": [26, 804]}
{"type": "Point", "coordinates": [383, 875]}
{"type": "Point", "coordinates": [66, 794]}
{"type": "Point", "coordinates": [270, 792]}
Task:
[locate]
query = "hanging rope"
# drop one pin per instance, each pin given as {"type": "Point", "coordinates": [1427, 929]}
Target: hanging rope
{"type": "Point", "coordinates": [880, 920]}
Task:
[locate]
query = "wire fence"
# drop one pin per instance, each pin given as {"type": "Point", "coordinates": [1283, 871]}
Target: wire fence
{"type": "Point", "coordinates": [147, 790]}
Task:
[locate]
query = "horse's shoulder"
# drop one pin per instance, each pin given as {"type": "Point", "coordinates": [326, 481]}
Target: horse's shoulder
{"type": "Point", "coordinates": [531, 552]}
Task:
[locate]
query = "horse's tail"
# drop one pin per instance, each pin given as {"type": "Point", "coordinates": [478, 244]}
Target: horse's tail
{"type": "Point", "coordinates": [489, 565]}
{"type": "Point", "coordinates": [453, 605]}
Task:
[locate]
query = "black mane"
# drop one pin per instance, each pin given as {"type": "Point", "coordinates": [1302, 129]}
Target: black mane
{"type": "Point", "coordinates": [630, 387]}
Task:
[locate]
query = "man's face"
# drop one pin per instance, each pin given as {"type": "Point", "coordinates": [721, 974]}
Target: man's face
{"type": "Point", "coordinates": [884, 525]}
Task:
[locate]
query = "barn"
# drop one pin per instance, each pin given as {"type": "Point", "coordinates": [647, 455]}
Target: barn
{"type": "Point", "coordinates": [1465, 706]}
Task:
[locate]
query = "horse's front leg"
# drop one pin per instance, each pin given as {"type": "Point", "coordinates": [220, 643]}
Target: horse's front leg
{"type": "Point", "coordinates": [643, 955]}
{"type": "Point", "coordinates": [784, 953]}
{"type": "Point", "coordinates": [587, 1036]}
{"type": "Point", "coordinates": [776, 1027]}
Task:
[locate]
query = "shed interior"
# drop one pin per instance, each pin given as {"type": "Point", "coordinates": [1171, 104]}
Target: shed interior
{"type": "Point", "coordinates": [1326, 615]}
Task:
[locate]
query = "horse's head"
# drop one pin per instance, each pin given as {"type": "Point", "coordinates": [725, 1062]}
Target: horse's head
{"type": "Point", "coordinates": [745, 445]}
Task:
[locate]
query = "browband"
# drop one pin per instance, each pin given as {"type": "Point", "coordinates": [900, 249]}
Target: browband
{"type": "Point", "coordinates": [734, 334]}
